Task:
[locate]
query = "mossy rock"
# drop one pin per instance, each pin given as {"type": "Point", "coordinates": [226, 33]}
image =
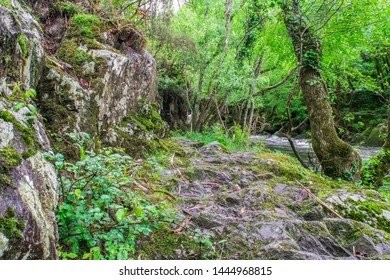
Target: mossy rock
{"type": "Point", "coordinates": [27, 133]}
{"type": "Point", "coordinates": [377, 136]}
{"type": "Point", "coordinates": [10, 225]}
{"type": "Point", "coordinates": [165, 245]}
{"type": "Point", "coordinates": [6, 3]}
{"type": "Point", "coordinates": [9, 158]}
{"type": "Point", "coordinates": [143, 132]}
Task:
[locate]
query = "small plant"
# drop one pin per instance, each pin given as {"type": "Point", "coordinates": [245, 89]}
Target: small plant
{"type": "Point", "coordinates": [204, 241]}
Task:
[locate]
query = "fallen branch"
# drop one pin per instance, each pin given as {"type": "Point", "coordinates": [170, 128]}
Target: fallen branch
{"type": "Point", "coordinates": [319, 200]}
{"type": "Point", "coordinates": [198, 207]}
{"type": "Point", "coordinates": [183, 224]}
{"type": "Point", "coordinates": [166, 193]}
{"type": "Point", "coordinates": [211, 183]}
{"type": "Point", "coordinates": [138, 185]}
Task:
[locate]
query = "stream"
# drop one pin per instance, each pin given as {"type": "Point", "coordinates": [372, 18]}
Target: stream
{"type": "Point", "coordinates": [303, 147]}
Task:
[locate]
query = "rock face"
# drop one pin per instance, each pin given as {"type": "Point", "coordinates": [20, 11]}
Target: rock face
{"type": "Point", "coordinates": [28, 183]}
{"type": "Point", "coordinates": [21, 50]}
{"type": "Point", "coordinates": [97, 85]}
{"type": "Point", "coordinates": [103, 86]}
{"type": "Point", "coordinates": [260, 211]}
{"type": "Point", "coordinates": [28, 188]}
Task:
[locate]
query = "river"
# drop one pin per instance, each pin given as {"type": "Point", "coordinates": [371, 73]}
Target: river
{"type": "Point", "coordinates": [303, 146]}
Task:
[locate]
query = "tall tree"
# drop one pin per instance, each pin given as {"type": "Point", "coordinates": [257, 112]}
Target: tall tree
{"type": "Point", "coordinates": [337, 158]}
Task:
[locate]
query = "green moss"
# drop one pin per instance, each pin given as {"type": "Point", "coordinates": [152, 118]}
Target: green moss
{"type": "Point", "coordinates": [5, 181]}
{"type": "Point", "coordinates": [29, 153]}
{"type": "Point", "coordinates": [9, 158]}
{"type": "Point", "coordinates": [142, 133]}
{"type": "Point", "coordinates": [6, 3]}
{"type": "Point", "coordinates": [283, 166]}
{"type": "Point", "coordinates": [23, 43]}
{"type": "Point", "coordinates": [86, 25]}
{"type": "Point", "coordinates": [70, 52]}
{"type": "Point", "coordinates": [367, 212]}
{"type": "Point", "coordinates": [166, 245]}
{"type": "Point", "coordinates": [27, 133]}
{"type": "Point", "coordinates": [10, 226]}
{"type": "Point", "coordinates": [67, 8]}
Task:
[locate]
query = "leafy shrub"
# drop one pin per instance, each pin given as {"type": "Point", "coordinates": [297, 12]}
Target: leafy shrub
{"type": "Point", "coordinates": [371, 176]}
{"type": "Point", "coordinates": [104, 208]}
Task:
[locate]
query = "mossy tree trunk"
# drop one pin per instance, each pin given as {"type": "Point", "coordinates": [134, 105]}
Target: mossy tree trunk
{"type": "Point", "coordinates": [338, 159]}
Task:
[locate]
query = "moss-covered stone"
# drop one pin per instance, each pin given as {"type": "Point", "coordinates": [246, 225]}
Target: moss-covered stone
{"type": "Point", "coordinates": [9, 158]}
{"type": "Point", "coordinates": [29, 153]}
{"type": "Point", "coordinates": [143, 132]}
{"type": "Point", "coordinates": [85, 25]}
{"type": "Point", "coordinates": [377, 136]}
{"type": "Point", "coordinates": [27, 133]}
{"type": "Point", "coordinates": [367, 211]}
{"type": "Point", "coordinates": [10, 225]}
{"type": "Point", "coordinates": [165, 245]}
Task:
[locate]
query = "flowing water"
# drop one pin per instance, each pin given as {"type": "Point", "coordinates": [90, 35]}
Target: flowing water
{"type": "Point", "coordinates": [303, 147]}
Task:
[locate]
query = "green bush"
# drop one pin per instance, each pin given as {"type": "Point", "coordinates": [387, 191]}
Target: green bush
{"type": "Point", "coordinates": [106, 205]}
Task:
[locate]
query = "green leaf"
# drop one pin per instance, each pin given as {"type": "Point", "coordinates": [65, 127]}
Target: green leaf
{"type": "Point", "coordinates": [120, 214]}
{"type": "Point", "coordinates": [139, 212]}
{"type": "Point", "coordinates": [30, 93]}
{"type": "Point", "coordinates": [72, 255]}
{"type": "Point", "coordinates": [18, 106]}
{"type": "Point", "coordinates": [59, 164]}
{"type": "Point", "coordinates": [32, 108]}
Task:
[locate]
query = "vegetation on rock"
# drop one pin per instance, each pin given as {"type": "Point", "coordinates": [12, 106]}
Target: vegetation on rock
{"type": "Point", "coordinates": [218, 72]}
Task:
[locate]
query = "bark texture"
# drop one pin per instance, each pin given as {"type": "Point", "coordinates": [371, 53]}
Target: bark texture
{"type": "Point", "coordinates": [337, 158]}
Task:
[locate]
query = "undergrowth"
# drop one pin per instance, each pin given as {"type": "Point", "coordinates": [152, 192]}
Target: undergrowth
{"type": "Point", "coordinates": [109, 201]}
{"type": "Point", "coordinates": [234, 139]}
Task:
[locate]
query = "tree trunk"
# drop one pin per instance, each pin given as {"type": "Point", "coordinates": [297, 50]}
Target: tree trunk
{"type": "Point", "coordinates": [338, 159]}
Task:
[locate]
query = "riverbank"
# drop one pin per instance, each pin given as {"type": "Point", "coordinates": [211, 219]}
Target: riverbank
{"type": "Point", "coordinates": [303, 146]}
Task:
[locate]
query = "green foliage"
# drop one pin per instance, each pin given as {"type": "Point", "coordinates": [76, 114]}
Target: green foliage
{"type": "Point", "coordinates": [234, 139]}
{"type": "Point", "coordinates": [103, 212]}
{"type": "Point", "coordinates": [372, 168]}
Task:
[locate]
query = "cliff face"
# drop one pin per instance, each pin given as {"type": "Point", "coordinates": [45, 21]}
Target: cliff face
{"type": "Point", "coordinates": [96, 78]}
{"type": "Point", "coordinates": [95, 83]}
{"type": "Point", "coordinates": [28, 183]}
